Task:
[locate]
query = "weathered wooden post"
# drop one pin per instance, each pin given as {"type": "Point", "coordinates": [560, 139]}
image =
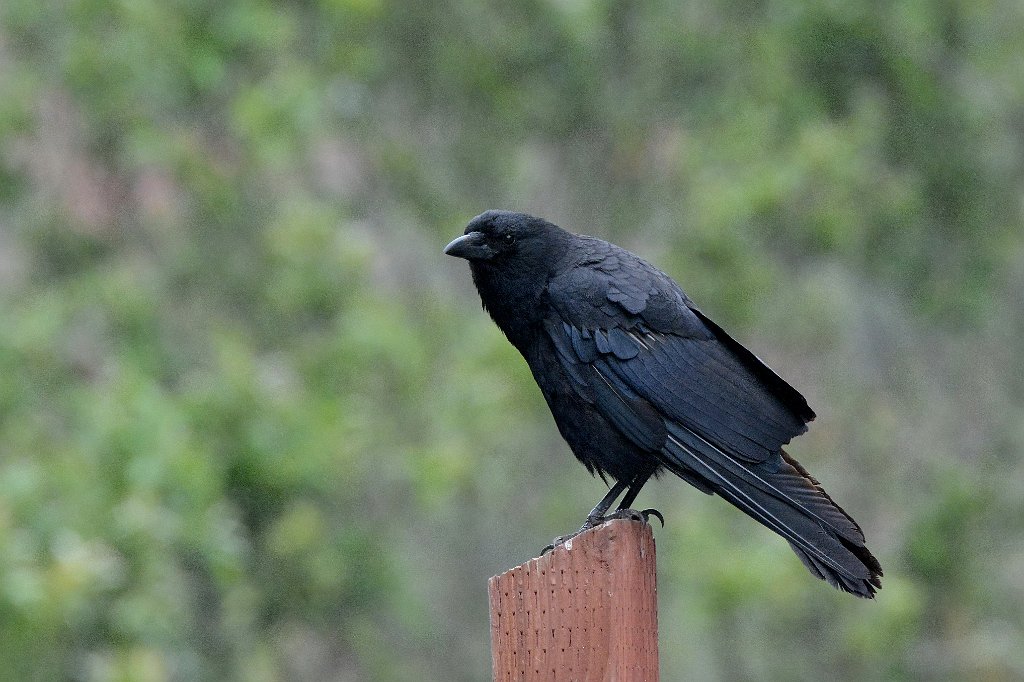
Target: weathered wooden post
{"type": "Point", "coordinates": [585, 611]}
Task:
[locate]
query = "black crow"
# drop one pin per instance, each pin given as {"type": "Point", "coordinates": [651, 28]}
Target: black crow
{"type": "Point", "coordinates": [639, 381]}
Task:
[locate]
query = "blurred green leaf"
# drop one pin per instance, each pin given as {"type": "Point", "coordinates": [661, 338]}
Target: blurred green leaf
{"type": "Point", "coordinates": [254, 425]}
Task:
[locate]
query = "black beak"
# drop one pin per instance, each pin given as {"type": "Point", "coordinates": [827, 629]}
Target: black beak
{"type": "Point", "coordinates": [472, 246]}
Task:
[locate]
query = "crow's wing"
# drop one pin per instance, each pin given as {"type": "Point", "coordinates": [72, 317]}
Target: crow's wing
{"type": "Point", "coordinates": [615, 309]}
{"type": "Point", "coordinates": [631, 339]}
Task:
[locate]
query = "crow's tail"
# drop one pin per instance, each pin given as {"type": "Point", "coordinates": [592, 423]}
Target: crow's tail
{"type": "Point", "coordinates": [784, 497]}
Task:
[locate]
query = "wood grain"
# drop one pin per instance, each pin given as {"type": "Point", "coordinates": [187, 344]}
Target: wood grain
{"type": "Point", "coordinates": [585, 611]}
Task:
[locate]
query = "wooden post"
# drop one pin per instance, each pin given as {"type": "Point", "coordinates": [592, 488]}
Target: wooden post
{"type": "Point", "coordinates": [585, 611]}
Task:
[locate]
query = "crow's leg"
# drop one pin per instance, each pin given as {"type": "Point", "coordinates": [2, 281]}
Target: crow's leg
{"type": "Point", "coordinates": [634, 489]}
{"type": "Point", "coordinates": [623, 510]}
{"type": "Point", "coordinates": [595, 518]}
{"type": "Point", "coordinates": [596, 514]}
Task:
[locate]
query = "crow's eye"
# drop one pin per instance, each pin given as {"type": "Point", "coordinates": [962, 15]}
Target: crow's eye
{"type": "Point", "coordinates": [509, 239]}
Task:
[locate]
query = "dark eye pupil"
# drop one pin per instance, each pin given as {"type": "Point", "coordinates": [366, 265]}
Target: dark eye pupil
{"type": "Point", "coordinates": [509, 238]}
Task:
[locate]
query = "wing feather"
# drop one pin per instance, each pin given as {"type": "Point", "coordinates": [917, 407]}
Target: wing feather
{"type": "Point", "coordinates": [673, 383]}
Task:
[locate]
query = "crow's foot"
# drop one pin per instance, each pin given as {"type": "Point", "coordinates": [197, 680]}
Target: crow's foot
{"type": "Point", "coordinates": [634, 515]}
{"type": "Point", "coordinates": [648, 513]}
{"type": "Point", "coordinates": [643, 516]}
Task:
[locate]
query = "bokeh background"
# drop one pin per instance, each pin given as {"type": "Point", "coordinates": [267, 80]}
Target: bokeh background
{"type": "Point", "coordinates": [254, 425]}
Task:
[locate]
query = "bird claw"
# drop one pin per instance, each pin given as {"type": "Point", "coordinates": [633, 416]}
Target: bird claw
{"type": "Point", "coordinates": [627, 514]}
{"type": "Point", "coordinates": [560, 540]}
{"type": "Point", "coordinates": [648, 513]}
{"type": "Point", "coordinates": [634, 515]}
{"type": "Point", "coordinates": [643, 516]}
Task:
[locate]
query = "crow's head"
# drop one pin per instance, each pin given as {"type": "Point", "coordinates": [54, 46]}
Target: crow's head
{"type": "Point", "coordinates": [502, 239]}
{"type": "Point", "coordinates": [511, 256]}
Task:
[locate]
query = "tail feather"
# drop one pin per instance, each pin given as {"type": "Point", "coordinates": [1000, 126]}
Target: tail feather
{"type": "Point", "coordinates": [788, 501]}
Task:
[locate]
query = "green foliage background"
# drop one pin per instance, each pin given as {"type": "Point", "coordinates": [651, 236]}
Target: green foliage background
{"type": "Point", "coordinates": [254, 426]}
